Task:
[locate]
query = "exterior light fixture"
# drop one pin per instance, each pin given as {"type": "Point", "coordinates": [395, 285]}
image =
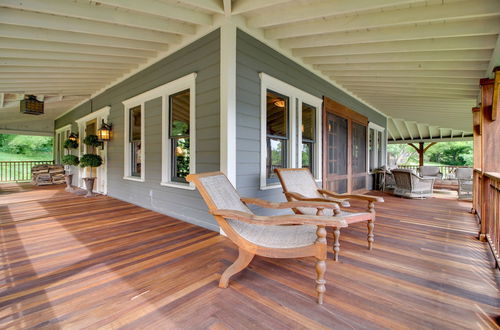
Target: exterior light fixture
{"type": "Point", "coordinates": [73, 137]}
{"type": "Point", "coordinates": [104, 133]}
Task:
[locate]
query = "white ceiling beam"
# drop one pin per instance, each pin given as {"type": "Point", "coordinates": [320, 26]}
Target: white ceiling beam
{"type": "Point", "coordinates": [424, 93]}
{"type": "Point", "coordinates": [44, 55]}
{"type": "Point", "coordinates": [401, 46]}
{"type": "Point", "coordinates": [65, 75]}
{"type": "Point", "coordinates": [436, 30]}
{"type": "Point", "coordinates": [309, 11]}
{"type": "Point", "coordinates": [4, 61]}
{"type": "Point", "coordinates": [44, 69]}
{"type": "Point", "coordinates": [227, 7]}
{"type": "Point", "coordinates": [438, 86]}
{"type": "Point", "coordinates": [408, 16]}
{"type": "Point", "coordinates": [213, 6]}
{"type": "Point", "coordinates": [50, 91]}
{"type": "Point", "coordinates": [405, 73]}
{"type": "Point", "coordinates": [495, 59]}
{"type": "Point", "coordinates": [409, 80]}
{"type": "Point", "coordinates": [49, 80]}
{"type": "Point", "coordinates": [162, 9]}
{"type": "Point", "coordinates": [417, 89]}
{"type": "Point", "coordinates": [391, 134]}
{"type": "Point", "coordinates": [440, 133]}
{"type": "Point", "coordinates": [402, 137]}
{"type": "Point", "coordinates": [419, 132]}
{"type": "Point", "coordinates": [91, 11]}
{"type": "Point", "coordinates": [423, 56]}
{"type": "Point", "coordinates": [409, 66]}
{"type": "Point", "coordinates": [430, 132]}
{"type": "Point", "coordinates": [243, 6]}
{"type": "Point", "coordinates": [23, 32]}
{"type": "Point", "coordinates": [408, 129]}
{"type": "Point", "coordinates": [69, 24]}
{"type": "Point", "coordinates": [49, 84]}
{"type": "Point", "coordinates": [467, 138]}
{"type": "Point", "coordinates": [69, 48]}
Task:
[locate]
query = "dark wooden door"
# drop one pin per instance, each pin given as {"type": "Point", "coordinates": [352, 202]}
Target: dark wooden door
{"type": "Point", "coordinates": [345, 148]}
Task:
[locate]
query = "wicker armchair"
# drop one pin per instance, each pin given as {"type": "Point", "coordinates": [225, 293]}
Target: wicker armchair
{"type": "Point", "coordinates": [268, 236]}
{"type": "Point", "coordinates": [411, 185]}
{"type": "Point", "coordinates": [430, 172]}
{"type": "Point", "coordinates": [299, 185]}
{"type": "Point", "coordinates": [464, 177]}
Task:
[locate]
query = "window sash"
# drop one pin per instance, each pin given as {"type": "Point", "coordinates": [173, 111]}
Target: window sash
{"type": "Point", "coordinates": [271, 176]}
{"type": "Point", "coordinates": [135, 163]}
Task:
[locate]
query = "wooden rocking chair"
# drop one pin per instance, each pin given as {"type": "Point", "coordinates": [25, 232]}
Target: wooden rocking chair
{"type": "Point", "coordinates": [299, 185]}
{"type": "Point", "coordinates": [268, 236]}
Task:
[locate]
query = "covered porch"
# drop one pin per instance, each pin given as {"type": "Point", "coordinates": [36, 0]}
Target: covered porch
{"type": "Point", "coordinates": [76, 262]}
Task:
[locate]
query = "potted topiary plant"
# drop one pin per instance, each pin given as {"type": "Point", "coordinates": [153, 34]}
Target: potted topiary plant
{"type": "Point", "coordinates": [69, 160]}
{"type": "Point", "coordinates": [90, 160]}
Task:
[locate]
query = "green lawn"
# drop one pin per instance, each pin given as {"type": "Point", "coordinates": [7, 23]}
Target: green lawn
{"type": "Point", "coordinates": [5, 156]}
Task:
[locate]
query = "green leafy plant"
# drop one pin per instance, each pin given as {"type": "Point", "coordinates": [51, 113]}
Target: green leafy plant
{"type": "Point", "coordinates": [90, 160]}
{"type": "Point", "coordinates": [70, 144]}
{"type": "Point", "coordinates": [92, 140]}
{"type": "Point", "coordinates": [70, 160]}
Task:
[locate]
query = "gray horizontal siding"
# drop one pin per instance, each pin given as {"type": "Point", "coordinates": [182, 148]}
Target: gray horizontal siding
{"type": "Point", "coordinates": [253, 57]}
{"type": "Point", "coordinates": [203, 57]}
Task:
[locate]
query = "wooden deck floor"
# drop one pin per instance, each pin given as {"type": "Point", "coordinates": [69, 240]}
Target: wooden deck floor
{"type": "Point", "coordinates": [72, 262]}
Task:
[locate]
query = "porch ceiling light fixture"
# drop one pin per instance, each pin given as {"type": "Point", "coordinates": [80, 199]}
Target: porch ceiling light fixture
{"type": "Point", "coordinates": [104, 133]}
{"type": "Point", "coordinates": [279, 103]}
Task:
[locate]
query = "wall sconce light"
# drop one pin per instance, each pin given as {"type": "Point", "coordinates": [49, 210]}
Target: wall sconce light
{"type": "Point", "coordinates": [104, 133]}
{"type": "Point", "coordinates": [73, 137]}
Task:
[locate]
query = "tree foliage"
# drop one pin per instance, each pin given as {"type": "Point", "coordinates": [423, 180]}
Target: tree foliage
{"type": "Point", "coordinates": [25, 144]}
{"type": "Point", "coordinates": [90, 160]}
{"type": "Point", "coordinates": [445, 153]}
{"type": "Point", "coordinates": [70, 144]}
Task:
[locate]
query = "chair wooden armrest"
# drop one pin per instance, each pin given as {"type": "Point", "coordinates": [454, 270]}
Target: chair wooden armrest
{"type": "Point", "coordinates": [277, 220]}
{"type": "Point", "coordinates": [368, 198]}
{"type": "Point", "coordinates": [290, 205]}
{"type": "Point", "coordinates": [300, 197]}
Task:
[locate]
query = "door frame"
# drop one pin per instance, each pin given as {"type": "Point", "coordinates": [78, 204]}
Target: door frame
{"type": "Point", "coordinates": [332, 107]}
{"type": "Point", "coordinates": [102, 171]}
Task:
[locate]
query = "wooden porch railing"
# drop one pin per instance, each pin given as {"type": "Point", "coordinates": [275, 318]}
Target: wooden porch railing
{"type": "Point", "coordinates": [447, 170]}
{"type": "Point", "coordinates": [19, 171]}
{"type": "Point", "coordinates": [486, 204]}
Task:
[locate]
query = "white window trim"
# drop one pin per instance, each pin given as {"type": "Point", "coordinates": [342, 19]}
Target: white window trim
{"type": "Point", "coordinates": [186, 82]}
{"type": "Point", "coordinates": [162, 91]}
{"type": "Point", "coordinates": [99, 116]}
{"type": "Point", "coordinates": [66, 128]}
{"type": "Point", "coordinates": [296, 98]}
{"type": "Point", "coordinates": [127, 175]}
{"type": "Point", "coordinates": [376, 128]}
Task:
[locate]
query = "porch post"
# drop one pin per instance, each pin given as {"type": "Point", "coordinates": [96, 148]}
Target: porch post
{"type": "Point", "coordinates": [228, 100]}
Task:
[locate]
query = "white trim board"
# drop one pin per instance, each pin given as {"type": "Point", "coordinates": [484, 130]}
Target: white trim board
{"type": "Point", "coordinates": [296, 98]}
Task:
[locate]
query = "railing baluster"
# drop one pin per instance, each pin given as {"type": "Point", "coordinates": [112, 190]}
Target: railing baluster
{"type": "Point", "coordinates": [19, 171]}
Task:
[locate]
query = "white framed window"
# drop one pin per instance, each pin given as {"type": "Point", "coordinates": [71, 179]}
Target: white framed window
{"type": "Point", "coordinates": [178, 127]}
{"type": "Point", "coordinates": [376, 137]}
{"type": "Point", "coordinates": [62, 135]}
{"type": "Point", "coordinates": [179, 132]}
{"type": "Point", "coordinates": [134, 148]}
{"type": "Point", "coordinates": [290, 130]}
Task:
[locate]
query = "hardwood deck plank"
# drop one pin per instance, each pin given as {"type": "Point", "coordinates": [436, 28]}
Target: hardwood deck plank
{"type": "Point", "coordinates": [74, 262]}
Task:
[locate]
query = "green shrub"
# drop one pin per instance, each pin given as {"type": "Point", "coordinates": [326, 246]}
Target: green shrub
{"type": "Point", "coordinates": [25, 144]}
{"type": "Point", "coordinates": [70, 144]}
{"type": "Point", "coordinates": [90, 160]}
{"type": "Point", "coordinates": [92, 140]}
{"type": "Point", "coordinates": [70, 160]}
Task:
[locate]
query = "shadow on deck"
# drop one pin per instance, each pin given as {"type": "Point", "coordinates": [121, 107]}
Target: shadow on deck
{"type": "Point", "coordinates": [74, 262]}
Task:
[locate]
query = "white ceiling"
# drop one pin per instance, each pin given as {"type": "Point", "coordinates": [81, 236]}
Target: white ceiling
{"type": "Point", "coordinates": [414, 60]}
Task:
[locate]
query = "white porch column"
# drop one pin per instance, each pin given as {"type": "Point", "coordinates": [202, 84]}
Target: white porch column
{"type": "Point", "coordinates": [228, 100]}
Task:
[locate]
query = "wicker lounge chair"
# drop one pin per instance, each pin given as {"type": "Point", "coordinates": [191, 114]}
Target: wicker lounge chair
{"type": "Point", "coordinates": [464, 177]}
{"type": "Point", "coordinates": [430, 172]}
{"type": "Point", "coordinates": [299, 185]}
{"type": "Point", "coordinates": [410, 185]}
{"type": "Point", "coordinates": [269, 236]}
